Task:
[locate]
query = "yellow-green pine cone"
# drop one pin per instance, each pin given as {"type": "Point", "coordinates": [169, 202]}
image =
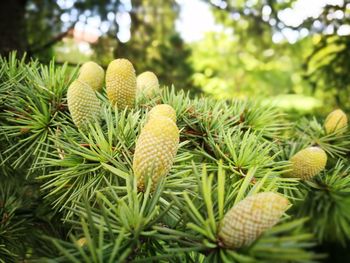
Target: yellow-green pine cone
{"type": "Point", "coordinates": [81, 242]}
{"type": "Point", "coordinates": [92, 74]}
{"type": "Point", "coordinates": [308, 162]}
{"type": "Point", "coordinates": [164, 110]}
{"type": "Point", "coordinates": [250, 218]}
{"type": "Point", "coordinates": [336, 120]}
{"type": "Point", "coordinates": [83, 104]}
{"type": "Point", "coordinates": [121, 83]}
{"type": "Point", "coordinates": [147, 83]}
{"type": "Point", "coordinates": [155, 150]}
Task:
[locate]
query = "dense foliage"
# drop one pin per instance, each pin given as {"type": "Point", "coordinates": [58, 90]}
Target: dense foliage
{"type": "Point", "coordinates": [280, 51]}
{"type": "Point", "coordinates": [71, 195]}
{"type": "Point", "coordinates": [249, 51]}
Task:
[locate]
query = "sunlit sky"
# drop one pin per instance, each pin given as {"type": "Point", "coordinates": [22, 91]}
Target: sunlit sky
{"type": "Point", "coordinates": [196, 19]}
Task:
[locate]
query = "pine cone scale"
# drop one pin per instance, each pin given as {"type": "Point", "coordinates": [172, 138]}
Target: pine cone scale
{"type": "Point", "coordinates": [247, 220]}
{"type": "Point", "coordinates": [155, 150]}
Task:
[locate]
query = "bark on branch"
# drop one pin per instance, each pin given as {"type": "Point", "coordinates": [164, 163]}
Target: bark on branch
{"type": "Point", "coordinates": [52, 41]}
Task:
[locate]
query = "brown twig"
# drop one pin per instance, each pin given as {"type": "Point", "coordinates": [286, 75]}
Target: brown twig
{"type": "Point", "coordinates": [87, 145]}
{"type": "Point", "coordinates": [52, 41]}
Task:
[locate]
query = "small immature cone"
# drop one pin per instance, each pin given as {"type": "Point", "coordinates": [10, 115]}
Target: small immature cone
{"type": "Point", "coordinates": [250, 218]}
{"type": "Point", "coordinates": [81, 242]}
{"type": "Point", "coordinates": [336, 120]}
{"type": "Point", "coordinates": [164, 110]}
{"type": "Point", "coordinates": [155, 150]}
{"type": "Point", "coordinates": [121, 83]}
{"type": "Point", "coordinates": [24, 130]}
{"type": "Point", "coordinates": [147, 83]}
{"type": "Point", "coordinates": [92, 74]}
{"type": "Point", "coordinates": [83, 104]}
{"type": "Point", "coordinates": [60, 151]}
{"type": "Point", "coordinates": [308, 162]}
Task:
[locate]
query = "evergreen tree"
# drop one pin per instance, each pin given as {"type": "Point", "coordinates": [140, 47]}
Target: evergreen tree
{"type": "Point", "coordinates": [323, 41]}
{"type": "Point", "coordinates": [155, 44]}
{"type": "Point", "coordinates": [224, 181]}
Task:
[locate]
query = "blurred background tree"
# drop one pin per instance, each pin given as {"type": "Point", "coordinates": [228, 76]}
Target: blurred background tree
{"type": "Point", "coordinates": [285, 50]}
{"type": "Point", "coordinates": [314, 52]}
{"type": "Point", "coordinates": [44, 29]}
{"type": "Point", "coordinates": [155, 44]}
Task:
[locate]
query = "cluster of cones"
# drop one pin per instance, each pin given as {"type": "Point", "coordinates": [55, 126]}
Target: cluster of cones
{"type": "Point", "coordinates": [312, 160]}
{"type": "Point", "coordinates": [158, 142]}
{"type": "Point", "coordinates": [251, 217]}
{"type": "Point", "coordinates": [122, 87]}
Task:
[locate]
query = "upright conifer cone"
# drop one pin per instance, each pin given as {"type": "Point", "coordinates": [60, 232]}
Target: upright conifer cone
{"type": "Point", "coordinates": [155, 150]}
{"type": "Point", "coordinates": [308, 162]}
{"type": "Point", "coordinates": [164, 110]}
{"type": "Point", "coordinates": [336, 120]}
{"type": "Point", "coordinates": [92, 74]}
{"type": "Point", "coordinates": [81, 242]}
{"type": "Point", "coordinates": [147, 83]}
{"type": "Point", "coordinates": [83, 104]}
{"type": "Point", "coordinates": [121, 83]}
{"type": "Point", "coordinates": [250, 218]}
